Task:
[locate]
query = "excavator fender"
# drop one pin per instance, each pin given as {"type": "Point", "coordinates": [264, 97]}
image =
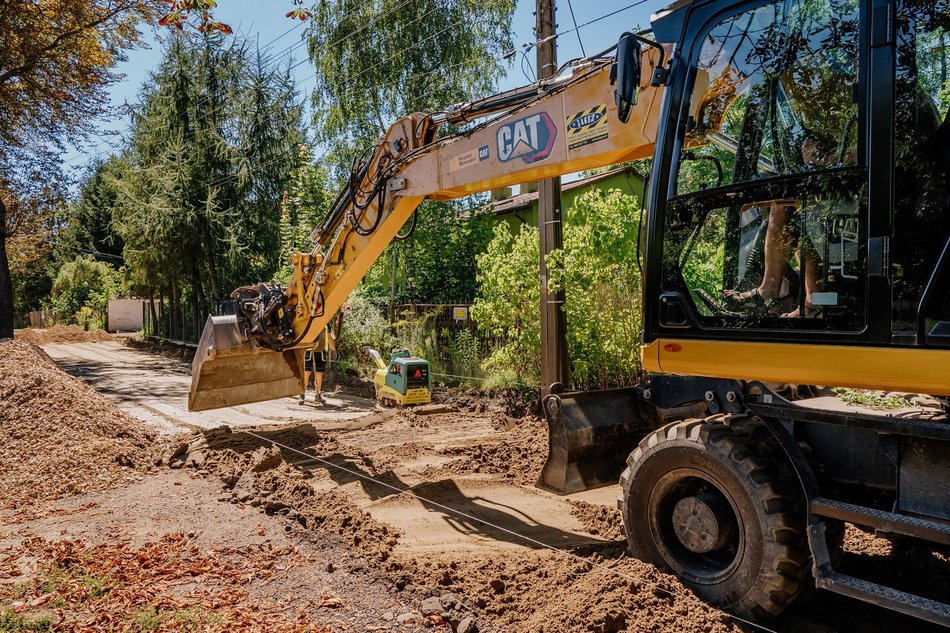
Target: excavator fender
{"type": "Point", "coordinates": [229, 369]}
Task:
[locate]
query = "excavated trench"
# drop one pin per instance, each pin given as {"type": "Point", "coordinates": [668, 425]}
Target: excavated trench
{"type": "Point", "coordinates": [441, 503]}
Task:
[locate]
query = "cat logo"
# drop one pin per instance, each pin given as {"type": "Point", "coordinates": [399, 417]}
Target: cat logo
{"type": "Point", "coordinates": [530, 138]}
{"type": "Point", "coordinates": [587, 126]}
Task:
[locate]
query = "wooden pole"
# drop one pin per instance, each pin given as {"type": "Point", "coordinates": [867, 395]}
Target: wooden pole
{"type": "Point", "coordinates": [554, 362]}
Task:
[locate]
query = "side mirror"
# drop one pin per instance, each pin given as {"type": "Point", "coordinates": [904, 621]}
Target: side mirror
{"type": "Point", "coordinates": [629, 53]}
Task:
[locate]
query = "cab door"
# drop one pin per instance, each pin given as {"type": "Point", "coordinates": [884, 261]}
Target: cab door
{"type": "Point", "coordinates": [764, 226]}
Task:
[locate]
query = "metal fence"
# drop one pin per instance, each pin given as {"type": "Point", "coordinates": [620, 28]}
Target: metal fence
{"type": "Point", "coordinates": [179, 322]}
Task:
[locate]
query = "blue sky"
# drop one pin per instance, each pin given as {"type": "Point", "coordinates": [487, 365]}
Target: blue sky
{"type": "Point", "coordinates": [266, 21]}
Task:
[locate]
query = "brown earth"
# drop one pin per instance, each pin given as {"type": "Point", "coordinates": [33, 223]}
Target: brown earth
{"type": "Point", "coordinates": [441, 511]}
{"type": "Point", "coordinates": [529, 588]}
{"type": "Point", "coordinates": [59, 437]}
{"type": "Point", "coordinates": [61, 334]}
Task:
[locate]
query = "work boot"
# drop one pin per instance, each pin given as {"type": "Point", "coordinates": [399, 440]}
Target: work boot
{"type": "Point", "coordinates": [318, 399]}
{"type": "Point", "coordinates": [302, 398]}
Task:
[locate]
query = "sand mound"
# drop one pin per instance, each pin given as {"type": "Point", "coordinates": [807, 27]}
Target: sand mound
{"type": "Point", "coordinates": [599, 520]}
{"type": "Point", "coordinates": [58, 436]}
{"type": "Point", "coordinates": [61, 334]}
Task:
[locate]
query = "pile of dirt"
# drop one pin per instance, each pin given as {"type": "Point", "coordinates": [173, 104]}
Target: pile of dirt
{"type": "Point", "coordinates": [550, 592]}
{"type": "Point", "coordinates": [599, 520]}
{"type": "Point", "coordinates": [260, 477]}
{"type": "Point", "coordinates": [500, 593]}
{"type": "Point", "coordinates": [164, 348]}
{"type": "Point", "coordinates": [518, 455]}
{"type": "Point", "coordinates": [61, 334]}
{"type": "Point", "coordinates": [515, 403]}
{"type": "Point", "coordinates": [60, 437]}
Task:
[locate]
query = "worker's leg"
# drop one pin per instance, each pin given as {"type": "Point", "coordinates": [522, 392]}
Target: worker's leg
{"type": "Point", "coordinates": [317, 386]}
{"type": "Point", "coordinates": [307, 381]}
{"type": "Point", "coordinates": [779, 245]}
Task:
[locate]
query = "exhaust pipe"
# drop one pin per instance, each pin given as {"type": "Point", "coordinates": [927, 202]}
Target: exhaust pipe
{"type": "Point", "coordinates": [229, 370]}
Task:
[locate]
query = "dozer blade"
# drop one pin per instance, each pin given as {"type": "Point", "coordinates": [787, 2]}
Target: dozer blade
{"type": "Point", "coordinates": [590, 434]}
{"type": "Point", "coordinates": [229, 370]}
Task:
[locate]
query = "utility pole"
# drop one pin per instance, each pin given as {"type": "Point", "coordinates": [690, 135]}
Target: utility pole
{"type": "Point", "coordinates": [554, 363]}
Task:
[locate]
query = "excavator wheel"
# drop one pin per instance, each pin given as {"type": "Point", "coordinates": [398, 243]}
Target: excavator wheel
{"type": "Point", "coordinates": [702, 501]}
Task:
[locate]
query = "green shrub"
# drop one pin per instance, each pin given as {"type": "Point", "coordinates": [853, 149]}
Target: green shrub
{"type": "Point", "coordinates": [598, 270]}
{"type": "Point", "coordinates": [82, 289]}
{"type": "Point", "coordinates": [507, 303]}
{"type": "Point", "coordinates": [364, 325]}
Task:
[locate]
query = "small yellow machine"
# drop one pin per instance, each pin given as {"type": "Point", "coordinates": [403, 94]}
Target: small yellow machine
{"type": "Point", "coordinates": [404, 381]}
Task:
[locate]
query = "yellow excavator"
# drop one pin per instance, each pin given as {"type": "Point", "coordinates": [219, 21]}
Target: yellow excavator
{"type": "Point", "coordinates": [796, 238]}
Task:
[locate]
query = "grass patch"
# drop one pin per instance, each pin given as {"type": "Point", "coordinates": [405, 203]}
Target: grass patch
{"type": "Point", "coordinates": [10, 621]}
{"type": "Point", "coordinates": [190, 619]}
{"type": "Point", "coordinates": [871, 399]}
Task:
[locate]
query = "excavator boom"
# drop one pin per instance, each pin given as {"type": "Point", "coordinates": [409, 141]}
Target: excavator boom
{"type": "Point", "coordinates": [564, 125]}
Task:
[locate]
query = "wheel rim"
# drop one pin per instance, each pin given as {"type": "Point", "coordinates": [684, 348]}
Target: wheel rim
{"type": "Point", "coordinates": [695, 526]}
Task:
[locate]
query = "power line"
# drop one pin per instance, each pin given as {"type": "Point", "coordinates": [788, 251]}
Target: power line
{"type": "Point", "coordinates": [574, 20]}
{"type": "Point", "coordinates": [430, 92]}
{"type": "Point", "coordinates": [272, 62]}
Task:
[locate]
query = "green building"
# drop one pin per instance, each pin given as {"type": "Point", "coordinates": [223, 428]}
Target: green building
{"type": "Point", "coordinates": [523, 208]}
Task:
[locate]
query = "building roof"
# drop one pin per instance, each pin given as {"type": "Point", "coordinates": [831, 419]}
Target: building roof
{"type": "Point", "coordinates": [525, 200]}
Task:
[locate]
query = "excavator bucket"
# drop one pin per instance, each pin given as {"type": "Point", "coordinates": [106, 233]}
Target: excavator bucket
{"type": "Point", "coordinates": [590, 434]}
{"type": "Point", "coordinates": [229, 370]}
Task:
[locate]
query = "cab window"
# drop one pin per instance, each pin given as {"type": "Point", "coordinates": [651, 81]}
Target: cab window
{"type": "Point", "coordinates": [768, 218]}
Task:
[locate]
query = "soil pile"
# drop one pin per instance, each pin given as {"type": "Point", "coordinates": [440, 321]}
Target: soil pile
{"type": "Point", "coordinates": [599, 520]}
{"type": "Point", "coordinates": [516, 403]}
{"type": "Point", "coordinates": [258, 475]}
{"type": "Point", "coordinates": [61, 334]}
{"type": "Point", "coordinates": [518, 455]}
{"type": "Point", "coordinates": [548, 592]}
{"type": "Point", "coordinates": [540, 591]}
{"type": "Point", "coordinates": [58, 436]}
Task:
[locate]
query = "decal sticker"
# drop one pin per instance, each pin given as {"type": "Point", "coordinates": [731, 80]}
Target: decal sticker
{"type": "Point", "coordinates": [586, 127]}
{"type": "Point", "coordinates": [469, 158]}
{"type": "Point", "coordinates": [530, 138]}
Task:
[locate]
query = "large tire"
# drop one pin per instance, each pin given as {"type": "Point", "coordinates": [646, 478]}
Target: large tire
{"type": "Point", "coordinates": [701, 500]}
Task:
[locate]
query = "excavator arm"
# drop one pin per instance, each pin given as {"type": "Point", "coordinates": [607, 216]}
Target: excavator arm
{"type": "Point", "coordinates": [596, 112]}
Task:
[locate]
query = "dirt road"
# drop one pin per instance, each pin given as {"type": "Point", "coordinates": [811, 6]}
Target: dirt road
{"type": "Point", "coordinates": [443, 506]}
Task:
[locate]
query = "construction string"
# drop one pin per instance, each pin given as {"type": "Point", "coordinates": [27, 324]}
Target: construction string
{"type": "Point", "coordinates": [463, 515]}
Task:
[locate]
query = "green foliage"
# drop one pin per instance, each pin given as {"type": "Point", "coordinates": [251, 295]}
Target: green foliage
{"type": "Point", "coordinates": [465, 355]}
{"type": "Point", "coordinates": [214, 142]}
{"type": "Point", "coordinates": [364, 325]}
{"type": "Point", "coordinates": [598, 270]}
{"type": "Point", "coordinates": [870, 399]}
{"type": "Point", "coordinates": [306, 201]}
{"type": "Point", "coordinates": [82, 290]}
{"type": "Point", "coordinates": [14, 622]}
{"type": "Point", "coordinates": [507, 303]}
{"type": "Point", "coordinates": [87, 222]}
{"type": "Point", "coordinates": [381, 59]}
{"type": "Point", "coordinates": [436, 264]}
